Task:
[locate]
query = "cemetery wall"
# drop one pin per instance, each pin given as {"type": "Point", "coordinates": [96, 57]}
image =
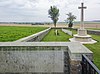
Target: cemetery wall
{"type": "Point", "coordinates": [43, 60]}
{"type": "Point", "coordinates": [35, 37]}
{"type": "Point", "coordinates": [42, 57]}
{"type": "Point", "coordinates": [93, 32]}
{"type": "Point", "coordinates": [67, 31]}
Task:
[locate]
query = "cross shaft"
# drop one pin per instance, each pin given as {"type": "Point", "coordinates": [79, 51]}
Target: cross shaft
{"type": "Point", "coordinates": [82, 14]}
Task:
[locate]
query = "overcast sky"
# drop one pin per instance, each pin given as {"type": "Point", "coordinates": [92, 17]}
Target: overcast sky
{"type": "Point", "coordinates": [37, 10]}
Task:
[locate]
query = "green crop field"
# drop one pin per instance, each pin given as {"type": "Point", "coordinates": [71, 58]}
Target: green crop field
{"type": "Point", "coordinates": [12, 33]}
{"type": "Point", "coordinates": [51, 37]}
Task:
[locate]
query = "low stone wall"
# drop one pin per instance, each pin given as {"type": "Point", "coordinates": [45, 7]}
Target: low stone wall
{"type": "Point", "coordinates": [42, 57]}
{"type": "Point", "coordinates": [35, 37]}
{"type": "Point", "coordinates": [68, 32]}
{"type": "Point", "coordinates": [96, 32]}
{"type": "Point", "coordinates": [93, 32]}
{"type": "Point", "coordinates": [32, 62]}
{"type": "Point", "coordinates": [43, 60]}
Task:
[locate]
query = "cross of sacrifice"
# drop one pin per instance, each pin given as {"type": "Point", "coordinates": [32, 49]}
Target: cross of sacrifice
{"type": "Point", "coordinates": [82, 15]}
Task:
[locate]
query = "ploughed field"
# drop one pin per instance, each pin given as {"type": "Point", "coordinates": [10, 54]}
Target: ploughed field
{"type": "Point", "coordinates": [52, 37]}
{"type": "Point", "coordinates": [12, 33]}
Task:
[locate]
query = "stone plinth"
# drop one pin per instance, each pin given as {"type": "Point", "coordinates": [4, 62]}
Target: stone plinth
{"type": "Point", "coordinates": [82, 32]}
{"type": "Point", "coordinates": [86, 38]}
{"type": "Point", "coordinates": [82, 37]}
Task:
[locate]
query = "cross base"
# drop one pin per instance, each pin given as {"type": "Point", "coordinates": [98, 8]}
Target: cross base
{"type": "Point", "coordinates": [83, 37]}
{"type": "Point", "coordinates": [82, 32]}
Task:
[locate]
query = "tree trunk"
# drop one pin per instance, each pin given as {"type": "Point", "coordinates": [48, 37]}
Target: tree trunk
{"type": "Point", "coordinates": [54, 23]}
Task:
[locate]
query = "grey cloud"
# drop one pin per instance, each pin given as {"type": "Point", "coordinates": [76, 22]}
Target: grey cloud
{"type": "Point", "coordinates": [37, 10]}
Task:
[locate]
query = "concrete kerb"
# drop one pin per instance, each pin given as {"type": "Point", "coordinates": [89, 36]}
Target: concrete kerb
{"type": "Point", "coordinates": [35, 37]}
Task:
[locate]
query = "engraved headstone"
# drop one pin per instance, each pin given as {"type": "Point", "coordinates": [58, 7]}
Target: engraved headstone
{"type": "Point", "coordinates": [56, 32]}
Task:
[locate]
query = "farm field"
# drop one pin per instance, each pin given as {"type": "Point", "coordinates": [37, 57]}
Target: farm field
{"type": "Point", "coordinates": [51, 37]}
{"type": "Point", "coordinates": [76, 25]}
{"type": "Point", "coordinates": [12, 33]}
{"type": "Point", "coordinates": [93, 28]}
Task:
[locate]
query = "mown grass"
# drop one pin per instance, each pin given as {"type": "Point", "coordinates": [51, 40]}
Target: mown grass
{"type": "Point", "coordinates": [51, 37]}
{"type": "Point", "coordinates": [95, 48]}
{"type": "Point", "coordinates": [12, 33]}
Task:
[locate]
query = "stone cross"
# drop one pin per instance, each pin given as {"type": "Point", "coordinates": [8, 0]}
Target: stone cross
{"type": "Point", "coordinates": [82, 15]}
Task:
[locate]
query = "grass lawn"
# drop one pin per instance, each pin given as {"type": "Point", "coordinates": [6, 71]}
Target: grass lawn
{"type": "Point", "coordinates": [95, 48]}
{"type": "Point", "coordinates": [51, 37]}
{"type": "Point", "coordinates": [12, 33]}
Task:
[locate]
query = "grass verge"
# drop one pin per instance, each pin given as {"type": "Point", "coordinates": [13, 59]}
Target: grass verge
{"type": "Point", "coordinates": [95, 48]}
{"type": "Point", "coordinates": [51, 37]}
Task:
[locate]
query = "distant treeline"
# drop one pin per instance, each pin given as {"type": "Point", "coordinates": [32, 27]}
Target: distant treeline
{"type": "Point", "coordinates": [25, 23]}
{"type": "Point", "coordinates": [48, 23]}
{"type": "Point", "coordinates": [40, 23]}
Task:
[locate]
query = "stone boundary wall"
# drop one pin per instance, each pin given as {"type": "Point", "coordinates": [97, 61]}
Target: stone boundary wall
{"type": "Point", "coordinates": [68, 32]}
{"type": "Point", "coordinates": [35, 37]}
{"type": "Point", "coordinates": [32, 48]}
{"type": "Point", "coordinates": [39, 62]}
{"type": "Point", "coordinates": [96, 32]}
{"type": "Point", "coordinates": [73, 49]}
{"type": "Point", "coordinates": [34, 60]}
{"type": "Point", "coordinates": [93, 32]}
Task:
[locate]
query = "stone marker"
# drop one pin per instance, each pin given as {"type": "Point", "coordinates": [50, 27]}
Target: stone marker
{"type": "Point", "coordinates": [82, 15]}
{"type": "Point", "coordinates": [82, 36]}
{"type": "Point", "coordinates": [56, 32]}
